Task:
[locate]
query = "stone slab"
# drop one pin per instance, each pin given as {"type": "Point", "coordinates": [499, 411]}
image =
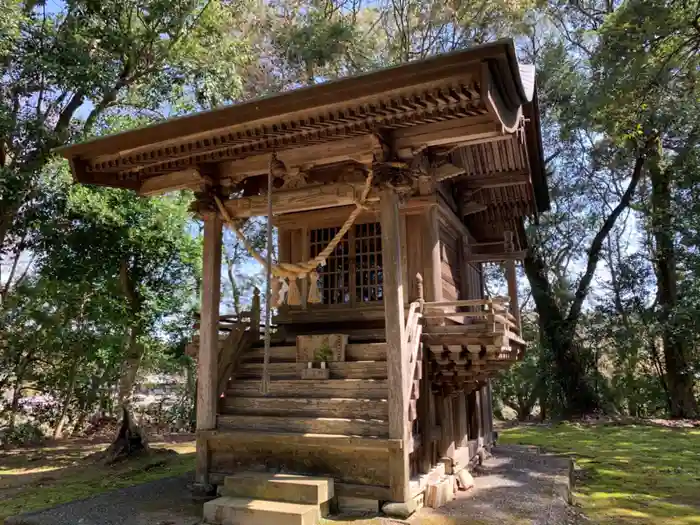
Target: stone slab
{"type": "Point", "coordinates": [249, 511]}
{"type": "Point", "coordinates": [309, 490]}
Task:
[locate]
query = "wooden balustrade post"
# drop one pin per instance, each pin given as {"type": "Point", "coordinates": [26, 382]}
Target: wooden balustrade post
{"type": "Point", "coordinates": [207, 362]}
{"type": "Point", "coordinates": [397, 360]}
{"type": "Point", "coordinates": [255, 316]}
{"type": "Point", "coordinates": [419, 287]}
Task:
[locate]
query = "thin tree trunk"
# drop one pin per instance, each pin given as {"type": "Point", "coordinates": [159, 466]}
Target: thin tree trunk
{"type": "Point", "coordinates": [72, 378]}
{"type": "Point", "coordinates": [89, 401]}
{"type": "Point", "coordinates": [14, 406]}
{"type": "Point", "coordinates": [679, 376]}
{"type": "Point", "coordinates": [130, 438]}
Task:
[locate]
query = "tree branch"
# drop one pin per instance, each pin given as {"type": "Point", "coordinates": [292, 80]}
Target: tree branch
{"type": "Point", "coordinates": [67, 114]}
{"type": "Point", "coordinates": [597, 244]}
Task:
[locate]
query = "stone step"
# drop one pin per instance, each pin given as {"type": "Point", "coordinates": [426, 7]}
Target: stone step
{"type": "Point", "coordinates": [338, 370]}
{"type": "Point", "coordinates": [288, 354]}
{"type": "Point", "coordinates": [290, 488]}
{"type": "Point", "coordinates": [302, 388]}
{"type": "Point", "coordinates": [249, 511]}
{"type": "Point", "coordinates": [334, 407]}
{"type": "Point", "coordinates": [319, 425]}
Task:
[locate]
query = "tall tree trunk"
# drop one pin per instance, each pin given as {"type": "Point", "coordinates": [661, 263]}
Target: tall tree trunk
{"type": "Point", "coordinates": [557, 335]}
{"type": "Point", "coordinates": [679, 376]}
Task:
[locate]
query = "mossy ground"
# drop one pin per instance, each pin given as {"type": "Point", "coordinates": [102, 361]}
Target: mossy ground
{"type": "Point", "coordinates": [628, 474]}
{"type": "Point", "coordinates": [34, 479]}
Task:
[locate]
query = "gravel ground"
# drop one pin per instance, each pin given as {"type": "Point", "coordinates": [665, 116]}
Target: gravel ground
{"type": "Point", "coordinates": [163, 502]}
{"type": "Point", "coordinates": [517, 485]}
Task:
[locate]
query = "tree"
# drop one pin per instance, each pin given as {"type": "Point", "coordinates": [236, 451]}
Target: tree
{"type": "Point", "coordinates": [649, 80]}
{"type": "Point", "coordinates": [140, 252]}
{"type": "Point", "coordinates": [64, 71]}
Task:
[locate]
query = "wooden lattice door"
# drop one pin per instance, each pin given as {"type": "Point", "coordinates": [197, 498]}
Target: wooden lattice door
{"type": "Point", "coordinates": [353, 272]}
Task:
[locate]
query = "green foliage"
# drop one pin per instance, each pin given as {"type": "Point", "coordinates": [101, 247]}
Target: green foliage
{"type": "Point", "coordinates": [637, 474]}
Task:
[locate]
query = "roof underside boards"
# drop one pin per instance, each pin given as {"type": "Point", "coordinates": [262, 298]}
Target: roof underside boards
{"type": "Point", "coordinates": [477, 105]}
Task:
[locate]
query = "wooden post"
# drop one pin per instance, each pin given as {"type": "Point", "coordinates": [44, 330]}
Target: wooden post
{"type": "Point", "coordinates": [488, 412]}
{"type": "Point", "coordinates": [479, 417]}
{"type": "Point", "coordinates": [207, 373]}
{"type": "Point", "coordinates": [461, 431]}
{"type": "Point", "coordinates": [431, 255]}
{"type": "Point", "coordinates": [447, 441]}
{"type": "Point", "coordinates": [255, 316]}
{"type": "Point", "coordinates": [396, 359]}
{"type": "Point", "coordinates": [513, 292]}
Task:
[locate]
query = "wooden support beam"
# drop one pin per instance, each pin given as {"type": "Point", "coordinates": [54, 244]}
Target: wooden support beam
{"type": "Point", "coordinates": [456, 131]}
{"type": "Point", "coordinates": [179, 180]}
{"type": "Point", "coordinates": [446, 171]}
{"type": "Point", "coordinates": [397, 363]}
{"type": "Point", "coordinates": [496, 180]}
{"type": "Point", "coordinates": [472, 207]}
{"type": "Point", "coordinates": [207, 373]}
{"type": "Point", "coordinates": [301, 199]}
{"type": "Point", "coordinates": [360, 149]}
{"type": "Point", "coordinates": [512, 279]}
{"type": "Point", "coordinates": [495, 257]}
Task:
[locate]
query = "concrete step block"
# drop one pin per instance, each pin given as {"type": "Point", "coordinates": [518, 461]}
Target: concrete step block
{"type": "Point", "coordinates": [250, 511]}
{"type": "Point", "coordinates": [309, 490]}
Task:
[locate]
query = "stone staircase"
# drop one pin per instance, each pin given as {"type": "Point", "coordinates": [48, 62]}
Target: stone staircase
{"type": "Point", "coordinates": [257, 498]}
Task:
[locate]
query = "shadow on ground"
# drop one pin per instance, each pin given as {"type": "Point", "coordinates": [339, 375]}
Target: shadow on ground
{"type": "Point", "coordinates": [516, 486]}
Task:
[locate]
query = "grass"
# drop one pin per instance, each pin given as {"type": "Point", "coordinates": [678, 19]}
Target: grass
{"type": "Point", "coordinates": [631, 474]}
{"type": "Point", "coordinates": [40, 478]}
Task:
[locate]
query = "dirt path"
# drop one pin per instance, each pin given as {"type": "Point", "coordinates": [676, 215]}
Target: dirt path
{"type": "Point", "coordinates": [516, 486]}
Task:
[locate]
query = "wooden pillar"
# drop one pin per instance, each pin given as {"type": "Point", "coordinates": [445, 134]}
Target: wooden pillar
{"type": "Point", "coordinates": [512, 279]}
{"type": "Point", "coordinates": [488, 412]}
{"type": "Point", "coordinates": [461, 430]}
{"type": "Point", "coordinates": [478, 413]}
{"type": "Point", "coordinates": [396, 362]}
{"type": "Point", "coordinates": [208, 338]}
{"type": "Point", "coordinates": [432, 275]}
{"type": "Point", "coordinates": [255, 316]}
{"type": "Point", "coordinates": [447, 440]}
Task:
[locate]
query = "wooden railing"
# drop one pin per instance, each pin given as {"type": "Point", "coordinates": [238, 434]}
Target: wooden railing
{"type": "Point", "coordinates": [412, 347]}
{"type": "Point", "coordinates": [493, 311]}
{"type": "Point", "coordinates": [241, 331]}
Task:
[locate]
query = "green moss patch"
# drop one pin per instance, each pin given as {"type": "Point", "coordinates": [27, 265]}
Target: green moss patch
{"type": "Point", "coordinates": [639, 474]}
{"type": "Point", "coordinates": [43, 478]}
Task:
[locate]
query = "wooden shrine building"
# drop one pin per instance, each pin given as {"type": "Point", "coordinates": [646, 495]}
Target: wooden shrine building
{"type": "Point", "coordinates": [379, 369]}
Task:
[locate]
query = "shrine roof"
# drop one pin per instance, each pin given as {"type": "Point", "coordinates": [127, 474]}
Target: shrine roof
{"type": "Point", "coordinates": [480, 92]}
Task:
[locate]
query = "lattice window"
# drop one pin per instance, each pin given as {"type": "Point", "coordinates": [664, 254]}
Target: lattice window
{"type": "Point", "coordinates": [334, 277]}
{"type": "Point", "coordinates": [353, 272]}
{"type": "Point", "coordinates": [368, 262]}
